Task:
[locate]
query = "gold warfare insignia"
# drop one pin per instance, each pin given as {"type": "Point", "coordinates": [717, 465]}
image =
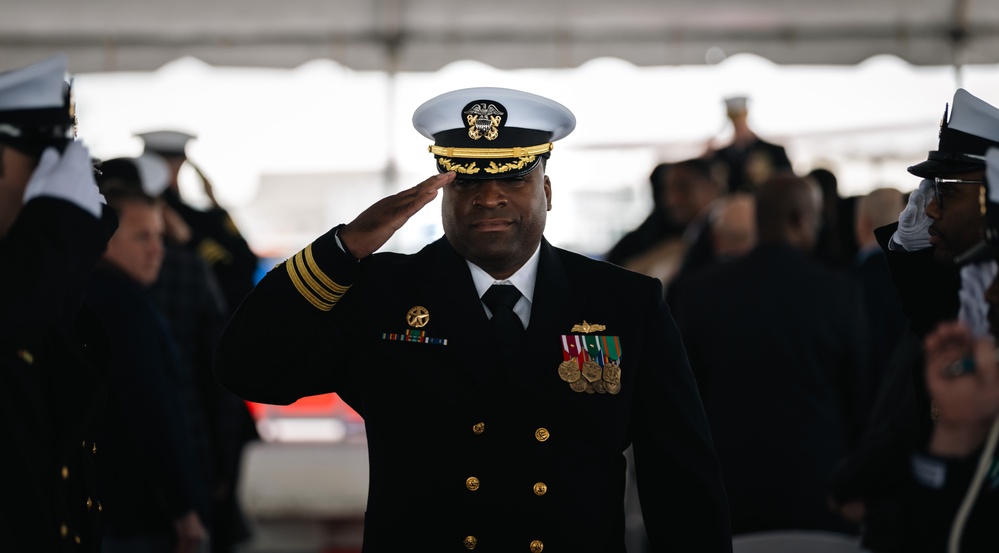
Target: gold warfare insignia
{"type": "Point", "coordinates": [587, 328]}
{"type": "Point", "coordinates": [418, 317]}
{"type": "Point", "coordinates": [483, 121]}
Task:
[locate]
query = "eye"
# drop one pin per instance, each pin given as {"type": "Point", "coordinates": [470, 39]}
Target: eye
{"type": "Point", "coordinates": [463, 183]}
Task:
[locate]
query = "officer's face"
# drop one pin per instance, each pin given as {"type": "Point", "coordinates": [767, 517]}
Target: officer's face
{"type": "Point", "coordinates": [15, 172]}
{"type": "Point", "coordinates": [497, 224]}
{"type": "Point", "coordinates": [956, 212]}
{"type": "Point", "coordinates": [137, 246]}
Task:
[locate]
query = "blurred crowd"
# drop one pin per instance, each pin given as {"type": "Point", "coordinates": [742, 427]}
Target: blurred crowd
{"type": "Point", "coordinates": [841, 345]}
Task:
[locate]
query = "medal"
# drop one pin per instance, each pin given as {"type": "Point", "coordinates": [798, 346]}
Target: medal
{"type": "Point", "coordinates": [569, 370]}
{"type": "Point", "coordinates": [598, 386]}
{"type": "Point", "coordinates": [579, 385]}
{"type": "Point", "coordinates": [591, 371]}
{"type": "Point", "coordinates": [612, 387]}
{"type": "Point", "coordinates": [612, 373]}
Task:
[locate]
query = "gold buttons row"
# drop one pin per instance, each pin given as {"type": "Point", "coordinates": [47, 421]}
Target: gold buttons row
{"type": "Point", "coordinates": [537, 546]}
{"type": "Point", "coordinates": [540, 434]}
{"type": "Point", "coordinates": [472, 483]}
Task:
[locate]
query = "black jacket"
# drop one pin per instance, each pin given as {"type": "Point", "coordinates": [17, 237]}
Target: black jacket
{"type": "Point", "coordinates": [440, 408]}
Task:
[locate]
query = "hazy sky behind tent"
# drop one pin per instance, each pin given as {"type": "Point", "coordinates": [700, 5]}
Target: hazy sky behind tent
{"type": "Point", "coordinates": [866, 123]}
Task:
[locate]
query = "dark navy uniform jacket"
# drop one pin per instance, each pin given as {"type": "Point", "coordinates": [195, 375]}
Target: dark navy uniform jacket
{"type": "Point", "coordinates": [467, 451]}
{"type": "Point", "coordinates": [53, 371]}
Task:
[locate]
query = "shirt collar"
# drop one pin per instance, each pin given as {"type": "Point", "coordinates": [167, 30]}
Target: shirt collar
{"type": "Point", "coordinates": [523, 279]}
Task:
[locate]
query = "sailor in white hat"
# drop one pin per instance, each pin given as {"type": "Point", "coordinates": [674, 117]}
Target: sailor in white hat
{"type": "Point", "coordinates": [505, 360]}
{"type": "Point", "coordinates": [53, 229]}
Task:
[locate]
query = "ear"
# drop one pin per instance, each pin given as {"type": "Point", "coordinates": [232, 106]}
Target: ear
{"type": "Point", "coordinates": [548, 192]}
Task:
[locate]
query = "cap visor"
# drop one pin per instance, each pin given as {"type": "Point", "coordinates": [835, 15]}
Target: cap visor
{"type": "Point", "coordinates": [934, 168]}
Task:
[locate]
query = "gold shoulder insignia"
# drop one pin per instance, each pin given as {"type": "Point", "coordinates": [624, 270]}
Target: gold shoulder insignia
{"type": "Point", "coordinates": [587, 328]}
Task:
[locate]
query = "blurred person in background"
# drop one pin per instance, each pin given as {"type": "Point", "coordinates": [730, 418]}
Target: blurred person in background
{"type": "Point", "coordinates": [53, 227]}
{"type": "Point", "coordinates": [837, 244]}
{"type": "Point", "coordinates": [211, 233]}
{"type": "Point", "coordinates": [778, 345]}
{"type": "Point", "coordinates": [887, 322]}
{"type": "Point", "coordinates": [658, 236]}
{"type": "Point", "coordinates": [191, 300]}
{"type": "Point", "coordinates": [733, 226]}
{"type": "Point", "coordinates": [155, 493]}
{"type": "Point", "coordinates": [747, 160]}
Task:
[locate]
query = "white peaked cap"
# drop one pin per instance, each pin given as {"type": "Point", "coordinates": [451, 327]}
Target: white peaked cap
{"type": "Point", "coordinates": [974, 116]}
{"type": "Point", "coordinates": [166, 141]}
{"type": "Point", "coordinates": [37, 86]}
{"type": "Point", "coordinates": [525, 111]}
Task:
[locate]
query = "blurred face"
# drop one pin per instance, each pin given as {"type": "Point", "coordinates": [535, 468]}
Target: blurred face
{"type": "Point", "coordinates": [15, 172]}
{"type": "Point", "coordinates": [687, 193]}
{"type": "Point", "coordinates": [497, 224]}
{"type": "Point", "coordinates": [956, 212]}
{"type": "Point", "coordinates": [137, 246]}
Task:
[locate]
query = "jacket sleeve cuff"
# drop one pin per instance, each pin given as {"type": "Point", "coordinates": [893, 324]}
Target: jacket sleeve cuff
{"type": "Point", "coordinates": [323, 271]}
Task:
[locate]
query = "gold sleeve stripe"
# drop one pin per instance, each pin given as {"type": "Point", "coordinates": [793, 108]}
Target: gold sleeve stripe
{"type": "Point", "coordinates": [310, 262]}
{"type": "Point", "coordinates": [305, 292]}
{"type": "Point", "coordinates": [314, 286]}
{"type": "Point", "coordinates": [491, 153]}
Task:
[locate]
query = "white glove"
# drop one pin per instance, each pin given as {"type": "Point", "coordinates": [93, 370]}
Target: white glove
{"type": "Point", "coordinates": [913, 224]}
{"type": "Point", "coordinates": [975, 280]}
{"type": "Point", "coordinates": [68, 177]}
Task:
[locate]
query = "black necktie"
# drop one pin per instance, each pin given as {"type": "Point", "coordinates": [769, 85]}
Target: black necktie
{"type": "Point", "coordinates": [500, 299]}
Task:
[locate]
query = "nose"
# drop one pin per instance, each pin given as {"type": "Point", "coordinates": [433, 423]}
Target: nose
{"type": "Point", "coordinates": [489, 194]}
{"type": "Point", "coordinates": [933, 207]}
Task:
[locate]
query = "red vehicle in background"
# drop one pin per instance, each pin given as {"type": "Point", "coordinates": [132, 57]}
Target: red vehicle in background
{"type": "Point", "coordinates": [322, 418]}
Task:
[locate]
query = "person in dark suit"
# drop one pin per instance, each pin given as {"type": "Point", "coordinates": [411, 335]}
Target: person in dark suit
{"type": "Point", "coordinates": [156, 496]}
{"type": "Point", "coordinates": [53, 356]}
{"type": "Point", "coordinates": [778, 346]}
{"type": "Point", "coordinates": [882, 307]}
{"type": "Point", "coordinates": [941, 220]}
{"type": "Point", "coordinates": [747, 160]}
{"type": "Point", "coordinates": [511, 414]}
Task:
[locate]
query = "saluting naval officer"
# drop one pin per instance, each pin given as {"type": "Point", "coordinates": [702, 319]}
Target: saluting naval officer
{"type": "Point", "coordinates": [53, 357]}
{"type": "Point", "coordinates": [489, 429]}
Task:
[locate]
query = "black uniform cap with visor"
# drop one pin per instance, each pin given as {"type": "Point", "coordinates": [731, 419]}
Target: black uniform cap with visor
{"type": "Point", "coordinates": [973, 128]}
{"type": "Point", "coordinates": [36, 107]}
{"type": "Point", "coordinates": [491, 133]}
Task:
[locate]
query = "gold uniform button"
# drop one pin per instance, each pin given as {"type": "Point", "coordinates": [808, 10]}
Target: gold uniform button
{"type": "Point", "coordinates": [77, 540]}
{"type": "Point", "coordinates": [541, 434]}
{"type": "Point", "coordinates": [471, 542]}
{"type": "Point", "coordinates": [479, 427]}
{"type": "Point", "coordinates": [540, 489]}
{"type": "Point", "coordinates": [472, 483]}
{"type": "Point", "coordinates": [63, 530]}
{"type": "Point", "coordinates": [537, 546]}
{"type": "Point", "coordinates": [65, 472]}
{"type": "Point", "coordinates": [90, 503]}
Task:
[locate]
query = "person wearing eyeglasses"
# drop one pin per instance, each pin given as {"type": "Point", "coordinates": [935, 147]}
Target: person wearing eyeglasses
{"type": "Point", "coordinates": [942, 219]}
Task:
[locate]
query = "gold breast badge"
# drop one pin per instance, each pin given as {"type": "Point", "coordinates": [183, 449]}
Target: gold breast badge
{"type": "Point", "coordinates": [587, 328]}
{"type": "Point", "coordinates": [418, 317]}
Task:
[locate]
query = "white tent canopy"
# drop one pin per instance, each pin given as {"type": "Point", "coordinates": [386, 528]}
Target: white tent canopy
{"type": "Point", "coordinates": [425, 35]}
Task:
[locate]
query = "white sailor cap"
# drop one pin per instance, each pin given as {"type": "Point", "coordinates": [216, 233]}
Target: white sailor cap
{"type": "Point", "coordinates": [973, 128]}
{"type": "Point", "coordinates": [736, 104]}
{"type": "Point", "coordinates": [36, 109]}
{"type": "Point", "coordinates": [149, 173]}
{"type": "Point", "coordinates": [169, 143]}
{"type": "Point", "coordinates": [488, 133]}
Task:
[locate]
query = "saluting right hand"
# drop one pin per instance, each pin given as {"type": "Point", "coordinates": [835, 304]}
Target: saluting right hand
{"type": "Point", "coordinates": [69, 177]}
{"type": "Point", "coordinates": [374, 226]}
{"type": "Point", "coordinates": [913, 223]}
